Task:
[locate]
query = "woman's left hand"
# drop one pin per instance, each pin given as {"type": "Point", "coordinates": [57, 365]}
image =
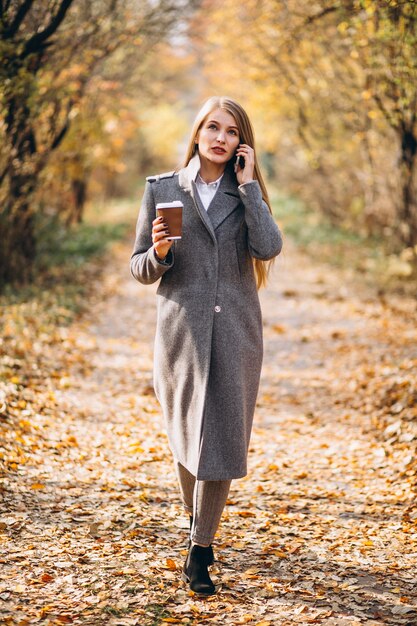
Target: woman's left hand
{"type": "Point", "coordinates": [245, 174]}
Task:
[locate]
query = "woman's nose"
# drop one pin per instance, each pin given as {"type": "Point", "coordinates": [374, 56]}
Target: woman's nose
{"type": "Point", "coordinates": [220, 136]}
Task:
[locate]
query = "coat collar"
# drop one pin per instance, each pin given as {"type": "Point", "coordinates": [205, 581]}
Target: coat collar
{"type": "Point", "coordinates": [224, 202]}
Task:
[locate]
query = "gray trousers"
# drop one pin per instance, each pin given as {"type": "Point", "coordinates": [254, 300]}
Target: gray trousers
{"type": "Point", "coordinates": [205, 501]}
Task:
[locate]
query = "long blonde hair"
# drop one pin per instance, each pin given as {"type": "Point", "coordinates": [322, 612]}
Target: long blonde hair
{"type": "Point", "coordinates": [246, 135]}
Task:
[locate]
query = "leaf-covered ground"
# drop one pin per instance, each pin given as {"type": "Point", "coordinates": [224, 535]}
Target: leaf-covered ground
{"type": "Point", "coordinates": [322, 531]}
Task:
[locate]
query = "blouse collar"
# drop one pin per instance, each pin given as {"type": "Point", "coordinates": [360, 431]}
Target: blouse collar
{"type": "Point", "coordinates": [212, 185]}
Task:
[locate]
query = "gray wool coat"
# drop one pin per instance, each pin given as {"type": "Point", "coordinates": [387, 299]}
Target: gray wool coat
{"type": "Point", "coordinates": [208, 344]}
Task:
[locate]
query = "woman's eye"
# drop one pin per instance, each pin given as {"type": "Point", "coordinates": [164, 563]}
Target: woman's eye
{"type": "Point", "coordinates": [212, 126]}
{"type": "Point", "coordinates": [232, 132]}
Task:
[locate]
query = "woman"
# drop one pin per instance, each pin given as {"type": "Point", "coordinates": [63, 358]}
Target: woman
{"type": "Point", "coordinates": [208, 346]}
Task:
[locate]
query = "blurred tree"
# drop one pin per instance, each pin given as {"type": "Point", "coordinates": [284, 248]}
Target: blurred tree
{"type": "Point", "coordinates": [50, 53]}
{"type": "Point", "coordinates": [333, 87]}
{"type": "Point", "coordinates": [386, 44]}
{"type": "Point", "coordinates": [128, 125]}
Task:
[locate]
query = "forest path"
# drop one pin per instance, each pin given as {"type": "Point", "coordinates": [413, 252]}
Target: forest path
{"type": "Point", "coordinates": [321, 531]}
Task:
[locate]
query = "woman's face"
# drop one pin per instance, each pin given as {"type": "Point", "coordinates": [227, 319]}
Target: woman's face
{"type": "Point", "coordinates": [218, 137]}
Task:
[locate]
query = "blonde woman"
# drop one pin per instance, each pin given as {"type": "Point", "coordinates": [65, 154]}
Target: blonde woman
{"type": "Point", "coordinates": [208, 345]}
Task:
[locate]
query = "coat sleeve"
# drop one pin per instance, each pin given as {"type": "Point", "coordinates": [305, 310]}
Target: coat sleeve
{"type": "Point", "coordinates": [144, 265]}
{"type": "Point", "coordinates": [264, 236]}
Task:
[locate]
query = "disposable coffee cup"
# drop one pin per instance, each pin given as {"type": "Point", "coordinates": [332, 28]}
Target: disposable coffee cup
{"type": "Point", "coordinates": [172, 214]}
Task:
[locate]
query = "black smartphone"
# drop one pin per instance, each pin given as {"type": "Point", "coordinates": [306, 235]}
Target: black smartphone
{"type": "Point", "coordinates": [240, 162]}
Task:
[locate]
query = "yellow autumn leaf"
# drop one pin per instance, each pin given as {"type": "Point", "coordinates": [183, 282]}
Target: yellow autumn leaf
{"type": "Point", "coordinates": [279, 553]}
{"type": "Point", "coordinates": [301, 475]}
{"type": "Point", "coordinates": [135, 447]}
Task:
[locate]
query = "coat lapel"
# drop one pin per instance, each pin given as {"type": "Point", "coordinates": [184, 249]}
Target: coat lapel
{"type": "Point", "coordinates": [224, 202]}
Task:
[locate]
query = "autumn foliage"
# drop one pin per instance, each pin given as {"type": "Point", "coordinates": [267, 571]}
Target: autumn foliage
{"type": "Point", "coordinates": [333, 89]}
{"type": "Point", "coordinates": [66, 71]}
{"type": "Point", "coordinates": [108, 88]}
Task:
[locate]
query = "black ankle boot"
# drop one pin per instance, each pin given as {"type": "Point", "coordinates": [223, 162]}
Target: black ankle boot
{"type": "Point", "coordinates": [195, 570]}
{"type": "Point", "coordinates": [211, 553]}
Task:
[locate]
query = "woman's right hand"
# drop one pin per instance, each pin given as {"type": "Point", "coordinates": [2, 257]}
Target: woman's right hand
{"type": "Point", "coordinates": [159, 234]}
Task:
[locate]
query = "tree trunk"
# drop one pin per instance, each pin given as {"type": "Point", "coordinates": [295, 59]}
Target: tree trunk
{"type": "Point", "coordinates": [19, 69]}
{"type": "Point", "coordinates": [408, 208]}
{"type": "Point", "coordinates": [79, 190]}
{"type": "Point", "coordinates": [18, 249]}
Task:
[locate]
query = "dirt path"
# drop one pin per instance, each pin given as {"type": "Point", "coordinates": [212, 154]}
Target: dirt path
{"type": "Point", "coordinates": [322, 530]}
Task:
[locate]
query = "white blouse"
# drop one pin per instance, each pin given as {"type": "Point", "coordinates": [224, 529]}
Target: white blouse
{"type": "Point", "coordinates": [207, 191]}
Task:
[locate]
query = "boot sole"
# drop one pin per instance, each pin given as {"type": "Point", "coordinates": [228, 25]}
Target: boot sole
{"type": "Point", "coordinates": [185, 579]}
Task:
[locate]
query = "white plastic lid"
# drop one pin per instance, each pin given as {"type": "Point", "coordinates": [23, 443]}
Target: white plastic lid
{"type": "Point", "coordinates": [169, 205]}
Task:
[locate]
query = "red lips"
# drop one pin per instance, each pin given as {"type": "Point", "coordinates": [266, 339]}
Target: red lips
{"type": "Point", "coordinates": [219, 150]}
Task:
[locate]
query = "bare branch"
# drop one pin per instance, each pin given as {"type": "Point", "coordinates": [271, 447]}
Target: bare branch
{"type": "Point", "coordinates": [3, 174]}
{"type": "Point", "coordinates": [302, 125]}
{"type": "Point", "coordinates": [317, 16]}
{"type": "Point", "coordinates": [414, 109]}
{"type": "Point", "coordinates": [4, 8]}
{"type": "Point", "coordinates": [39, 39]}
{"type": "Point", "coordinates": [61, 134]}
{"type": "Point", "coordinates": [18, 19]}
{"type": "Point", "coordinates": [389, 118]}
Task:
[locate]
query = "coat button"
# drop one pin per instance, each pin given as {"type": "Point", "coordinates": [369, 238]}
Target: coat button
{"type": "Point", "coordinates": [217, 309]}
